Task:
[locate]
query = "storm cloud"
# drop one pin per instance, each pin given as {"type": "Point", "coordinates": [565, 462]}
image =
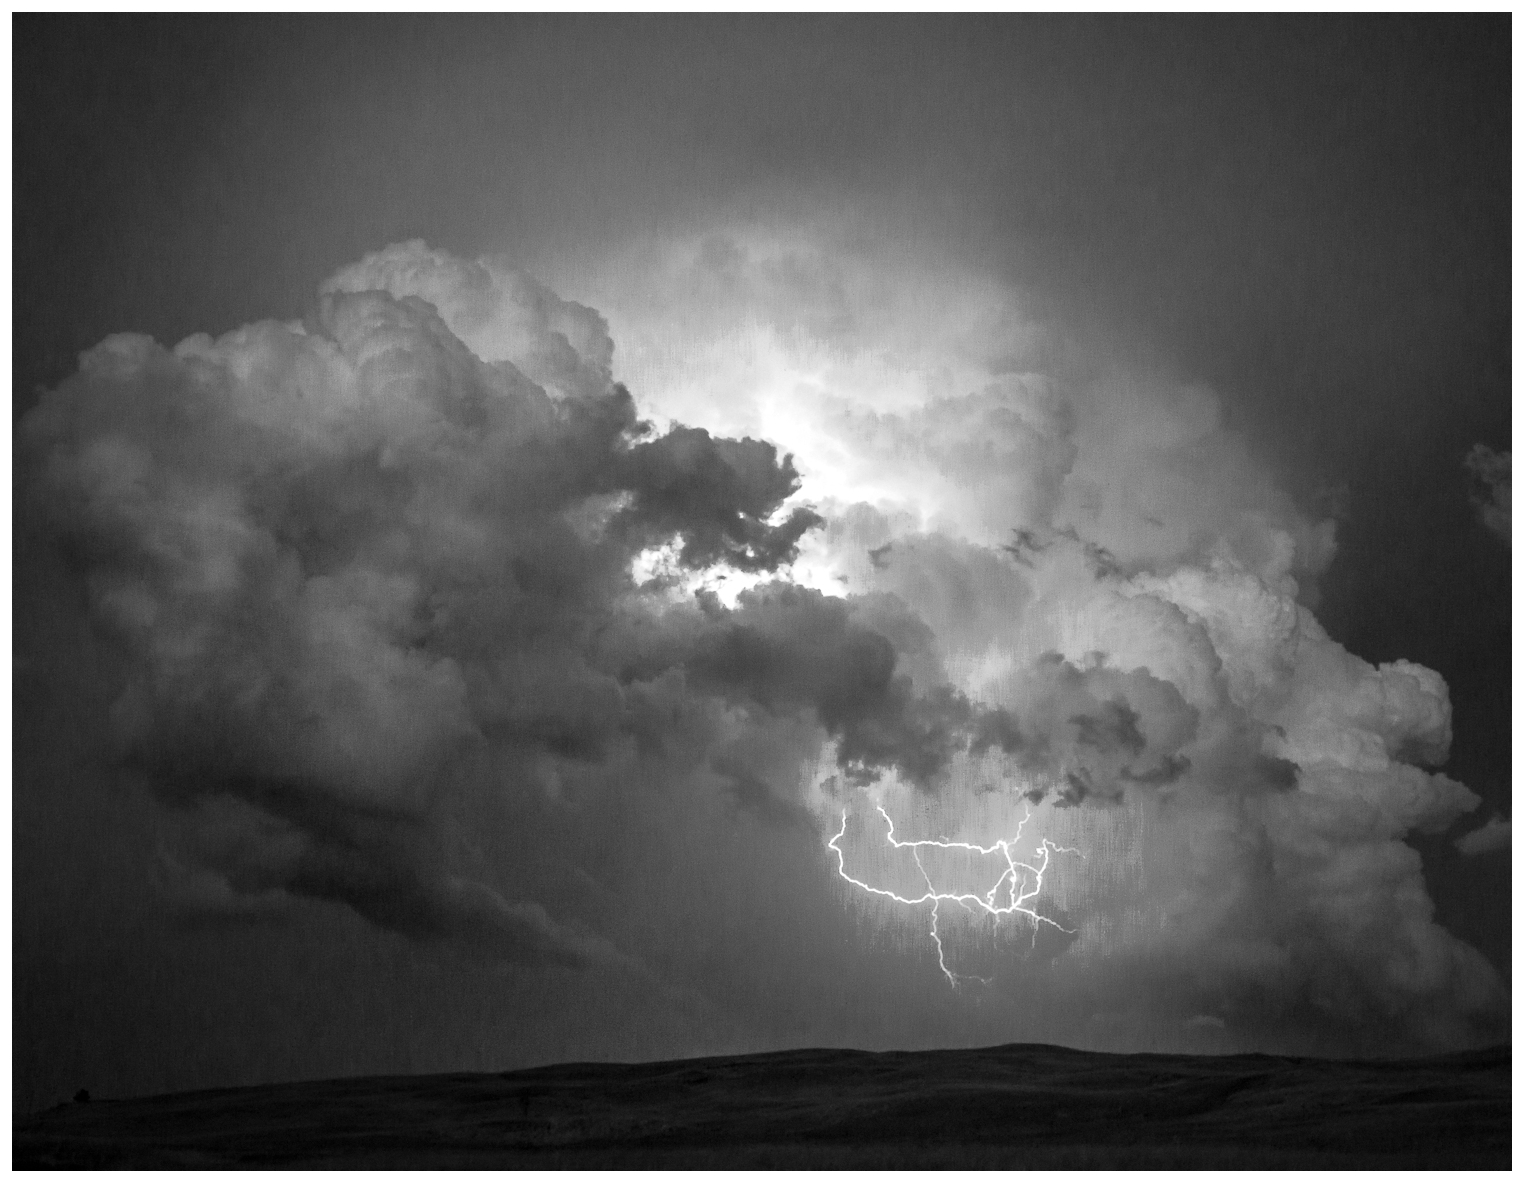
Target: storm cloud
{"type": "Point", "coordinates": [1122, 589]}
{"type": "Point", "coordinates": [341, 560]}
{"type": "Point", "coordinates": [337, 557]}
{"type": "Point", "coordinates": [420, 560]}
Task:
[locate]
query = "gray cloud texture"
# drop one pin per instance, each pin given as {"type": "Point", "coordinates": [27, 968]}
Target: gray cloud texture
{"type": "Point", "coordinates": [1495, 834]}
{"type": "Point", "coordinates": [371, 580]}
{"type": "Point", "coordinates": [337, 558]}
{"type": "Point", "coordinates": [1492, 492]}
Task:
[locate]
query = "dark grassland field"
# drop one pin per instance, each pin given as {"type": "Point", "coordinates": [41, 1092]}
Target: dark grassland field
{"type": "Point", "coordinates": [1020, 1106]}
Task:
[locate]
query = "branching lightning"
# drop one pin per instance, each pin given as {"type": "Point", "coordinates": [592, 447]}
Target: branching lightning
{"type": "Point", "coordinates": [1019, 883]}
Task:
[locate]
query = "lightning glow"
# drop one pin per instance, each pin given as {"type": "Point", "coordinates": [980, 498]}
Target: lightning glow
{"type": "Point", "coordinates": [1019, 882]}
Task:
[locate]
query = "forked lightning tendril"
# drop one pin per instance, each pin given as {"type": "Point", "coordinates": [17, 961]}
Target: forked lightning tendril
{"type": "Point", "coordinates": [1018, 888]}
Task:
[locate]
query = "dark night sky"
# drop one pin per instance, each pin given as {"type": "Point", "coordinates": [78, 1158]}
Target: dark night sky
{"type": "Point", "coordinates": [1311, 216]}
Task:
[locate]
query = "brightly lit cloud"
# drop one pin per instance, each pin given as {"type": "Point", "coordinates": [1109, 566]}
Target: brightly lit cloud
{"type": "Point", "coordinates": [906, 393]}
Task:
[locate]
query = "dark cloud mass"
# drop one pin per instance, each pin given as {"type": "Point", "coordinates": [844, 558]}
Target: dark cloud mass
{"type": "Point", "coordinates": [471, 668]}
{"type": "Point", "coordinates": [335, 558]}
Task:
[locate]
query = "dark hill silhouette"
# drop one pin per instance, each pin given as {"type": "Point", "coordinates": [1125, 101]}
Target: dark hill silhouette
{"type": "Point", "coordinates": [1019, 1106]}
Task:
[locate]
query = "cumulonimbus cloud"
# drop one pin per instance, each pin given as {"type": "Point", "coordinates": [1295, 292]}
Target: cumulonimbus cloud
{"type": "Point", "coordinates": [373, 575]}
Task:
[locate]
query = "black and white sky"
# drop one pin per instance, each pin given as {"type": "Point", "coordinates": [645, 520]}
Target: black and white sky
{"type": "Point", "coordinates": [495, 497]}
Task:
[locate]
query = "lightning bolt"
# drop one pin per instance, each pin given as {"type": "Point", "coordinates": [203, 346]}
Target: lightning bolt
{"type": "Point", "coordinates": [1009, 895]}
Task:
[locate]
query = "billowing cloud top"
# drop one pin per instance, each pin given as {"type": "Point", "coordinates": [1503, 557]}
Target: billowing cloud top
{"type": "Point", "coordinates": [421, 562]}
